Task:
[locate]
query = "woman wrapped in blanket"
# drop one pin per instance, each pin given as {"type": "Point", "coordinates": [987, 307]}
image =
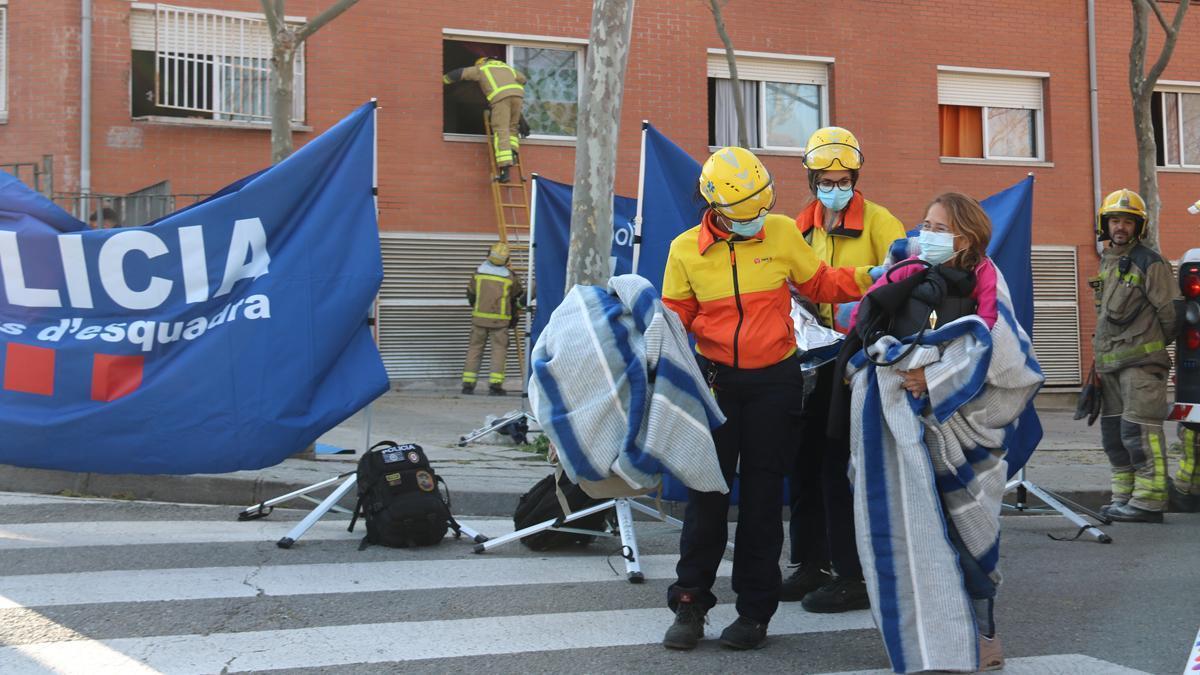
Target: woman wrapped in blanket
{"type": "Point", "coordinates": [728, 280]}
{"type": "Point", "coordinates": [940, 373]}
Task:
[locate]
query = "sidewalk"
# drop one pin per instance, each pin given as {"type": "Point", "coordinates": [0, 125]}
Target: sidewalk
{"type": "Point", "coordinates": [486, 478]}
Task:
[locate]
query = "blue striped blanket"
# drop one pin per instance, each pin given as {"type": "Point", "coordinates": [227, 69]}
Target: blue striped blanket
{"type": "Point", "coordinates": [616, 387]}
{"type": "Point", "coordinates": [915, 462]}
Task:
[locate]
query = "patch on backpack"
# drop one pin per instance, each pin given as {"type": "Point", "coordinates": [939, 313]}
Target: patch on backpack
{"type": "Point", "coordinates": [394, 479]}
{"type": "Point", "coordinates": [425, 481]}
{"type": "Point", "coordinates": [414, 457]}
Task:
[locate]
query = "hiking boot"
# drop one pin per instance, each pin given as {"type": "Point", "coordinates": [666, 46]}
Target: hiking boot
{"type": "Point", "coordinates": [468, 388]}
{"type": "Point", "coordinates": [1124, 513]}
{"type": "Point", "coordinates": [496, 390]}
{"type": "Point", "coordinates": [806, 579]}
{"type": "Point", "coordinates": [840, 595]}
{"type": "Point", "coordinates": [688, 628]}
{"type": "Point", "coordinates": [744, 633]}
{"type": "Point", "coordinates": [991, 656]}
{"type": "Point", "coordinates": [1180, 502]}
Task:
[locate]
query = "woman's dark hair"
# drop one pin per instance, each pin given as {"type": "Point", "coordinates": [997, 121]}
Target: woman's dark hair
{"type": "Point", "coordinates": [970, 221]}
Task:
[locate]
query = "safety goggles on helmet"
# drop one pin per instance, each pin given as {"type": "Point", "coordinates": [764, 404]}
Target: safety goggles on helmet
{"type": "Point", "coordinates": [833, 157]}
{"type": "Point", "coordinates": [748, 208]}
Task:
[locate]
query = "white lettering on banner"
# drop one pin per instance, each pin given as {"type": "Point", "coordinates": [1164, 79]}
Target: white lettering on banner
{"type": "Point", "coordinates": [146, 334]}
{"type": "Point", "coordinates": [247, 259]}
{"type": "Point", "coordinates": [623, 235]}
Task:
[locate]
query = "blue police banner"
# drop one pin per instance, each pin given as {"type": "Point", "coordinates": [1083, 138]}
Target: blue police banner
{"type": "Point", "coordinates": [671, 202]}
{"type": "Point", "coordinates": [552, 235]}
{"type": "Point", "coordinates": [224, 337]}
{"type": "Point", "coordinates": [1011, 212]}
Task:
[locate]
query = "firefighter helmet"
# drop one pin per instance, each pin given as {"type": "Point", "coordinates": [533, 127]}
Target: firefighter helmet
{"type": "Point", "coordinates": [1121, 201]}
{"type": "Point", "coordinates": [498, 254]}
{"type": "Point", "coordinates": [833, 149]}
{"type": "Point", "coordinates": [736, 184]}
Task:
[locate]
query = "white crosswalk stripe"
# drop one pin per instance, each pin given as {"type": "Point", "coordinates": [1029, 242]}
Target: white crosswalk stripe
{"type": "Point", "coordinates": [73, 601]}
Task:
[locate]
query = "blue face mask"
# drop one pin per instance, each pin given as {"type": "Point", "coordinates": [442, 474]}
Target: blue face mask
{"type": "Point", "coordinates": [936, 247]}
{"type": "Point", "coordinates": [747, 228]}
{"type": "Point", "coordinates": [836, 199]}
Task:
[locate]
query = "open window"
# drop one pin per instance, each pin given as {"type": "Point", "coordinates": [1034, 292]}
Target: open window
{"type": "Point", "coordinates": [991, 115]}
{"type": "Point", "coordinates": [552, 88]}
{"type": "Point", "coordinates": [205, 64]}
{"type": "Point", "coordinates": [1175, 110]}
{"type": "Point", "coordinates": [786, 100]}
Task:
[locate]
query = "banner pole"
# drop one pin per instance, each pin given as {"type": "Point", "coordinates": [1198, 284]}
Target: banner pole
{"type": "Point", "coordinates": [637, 219]}
{"type": "Point", "coordinates": [373, 312]}
{"type": "Point", "coordinates": [528, 346]}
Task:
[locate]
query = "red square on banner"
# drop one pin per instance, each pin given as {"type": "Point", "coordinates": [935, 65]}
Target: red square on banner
{"type": "Point", "coordinates": [115, 376]}
{"type": "Point", "coordinates": [29, 369]}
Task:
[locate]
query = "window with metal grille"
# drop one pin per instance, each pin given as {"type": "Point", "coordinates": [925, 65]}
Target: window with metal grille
{"type": "Point", "coordinates": [3, 61]}
{"type": "Point", "coordinates": [206, 64]}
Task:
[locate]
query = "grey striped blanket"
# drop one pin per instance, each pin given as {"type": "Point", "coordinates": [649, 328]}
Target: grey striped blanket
{"type": "Point", "coordinates": [616, 387]}
{"type": "Point", "coordinates": [915, 462]}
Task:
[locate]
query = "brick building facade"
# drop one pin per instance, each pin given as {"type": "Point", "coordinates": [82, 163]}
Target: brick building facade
{"type": "Point", "coordinates": [894, 72]}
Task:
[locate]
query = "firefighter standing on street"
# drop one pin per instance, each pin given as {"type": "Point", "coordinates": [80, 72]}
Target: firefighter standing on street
{"type": "Point", "coordinates": [1135, 322]}
{"type": "Point", "coordinates": [844, 229]}
{"type": "Point", "coordinates": [503, 87]}
{"type": "Point", "coordinates": [495, 294]}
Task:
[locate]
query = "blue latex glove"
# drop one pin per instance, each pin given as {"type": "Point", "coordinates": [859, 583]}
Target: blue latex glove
{"type": "Point", "coordinates": [877, 272]}
{"type": "Point", "coordinates": [843, 313]}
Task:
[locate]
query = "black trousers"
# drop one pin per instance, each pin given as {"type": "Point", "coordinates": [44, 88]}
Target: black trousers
{"type": "Point", "coordinates": [821, 529]}
{"type": "Point", "coordinates": [763, 410]}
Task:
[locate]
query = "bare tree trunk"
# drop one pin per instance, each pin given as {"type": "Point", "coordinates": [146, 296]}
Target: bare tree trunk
{"type": "Point", "coordinates": [738, 104]}
{"type": "Point", "coordinates": [596, 147]}
{"type": "Point", "coordinates": [285, 40]}
{"type": "Point", "coordinates": [1141, 88]}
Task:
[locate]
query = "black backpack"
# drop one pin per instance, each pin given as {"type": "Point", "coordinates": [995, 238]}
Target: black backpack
{"type": "Point", "coordinates": [398, 497]}
{"type": "Point", "coordinates": [541, 504]}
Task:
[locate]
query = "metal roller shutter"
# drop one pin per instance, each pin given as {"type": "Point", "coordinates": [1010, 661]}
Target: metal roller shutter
{"type": "Point", "coordinates": [768, 70]}
{"type": "Point", "coordinates": [424, 320]}
{"type": "Point", "coordinates": [995, 91]}
{"type": "Point", "coordinates": [1056, 314]}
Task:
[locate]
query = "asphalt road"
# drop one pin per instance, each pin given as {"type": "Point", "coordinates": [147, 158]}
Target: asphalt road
{"type": "Point", "coordinates": [94, 586]}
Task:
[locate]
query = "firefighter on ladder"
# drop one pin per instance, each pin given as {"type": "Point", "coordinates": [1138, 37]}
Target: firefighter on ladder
{"type": "Point", "coordinates": [503, 87]}
{"type": "Point", "coordinates": [495, 293]}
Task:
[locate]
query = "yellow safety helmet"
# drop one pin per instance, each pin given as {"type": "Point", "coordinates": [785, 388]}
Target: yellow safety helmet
{"type": "Point", "coordinates": [736, 184]}
{"type": "Point", "coordinates": [1121, 201]}
{"type": "Point", "coordinates": [498, 253]}
{"type": "Point", "coordinates": [834, 149]}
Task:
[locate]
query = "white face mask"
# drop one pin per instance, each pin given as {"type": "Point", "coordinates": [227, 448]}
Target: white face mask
{"type": "Point", "coordinates": [747, 228]}
{"type": "Point", "coordinates": [936, 247]}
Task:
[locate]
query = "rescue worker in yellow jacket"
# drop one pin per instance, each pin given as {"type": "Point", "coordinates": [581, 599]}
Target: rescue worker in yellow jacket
{"type": "Point", "coordinates": [503, 87]}
{"type": "Point", "coordinates": [727, 279]}
{"type": "Point", "coordinates": [1135, 293]}
{"type": "Point", "coordinates": [844, 229]}
{"type": "Point", "coordinates": [495, 294]}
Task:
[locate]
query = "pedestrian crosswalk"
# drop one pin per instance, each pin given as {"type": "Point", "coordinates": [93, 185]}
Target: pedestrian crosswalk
{"type": "Point", "coordinates": [94, 586]}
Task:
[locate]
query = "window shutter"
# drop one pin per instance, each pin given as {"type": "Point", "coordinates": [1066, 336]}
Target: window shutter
{"type": "Point", "coordinates": [424, 321]}
{"type": "Point", "coordinates": [996, 91]}
{"type": "Point", "coordinates": [771, 70]}
{"type": "Point", "coordinates": [1056, 314]}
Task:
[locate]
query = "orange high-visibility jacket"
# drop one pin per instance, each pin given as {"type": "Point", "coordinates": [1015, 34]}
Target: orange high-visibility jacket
{"type": "Point", "coordinates": [733, 295]}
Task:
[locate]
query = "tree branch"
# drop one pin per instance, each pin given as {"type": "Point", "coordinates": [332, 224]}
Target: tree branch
{"type": "Point", "coordinates": [323, 18]}
{"type": "Point", "coordinates": [1162, 20]}
{"type": "Point", "coordinates": [1137, 49]}
{"type": "Point", "coordinates": [1169, 43]}
{"type": "Point", "coordinates": [273, 20]}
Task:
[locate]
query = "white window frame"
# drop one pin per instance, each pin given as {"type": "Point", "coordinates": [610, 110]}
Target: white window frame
{"type": "Point", "coordinates": [3, 61]}
{"type": "Point", "coordinates": [510, 40]}
{"type": "Point", "coordinates": [1175, 87]}
{"type": "Point", "coordinates": [756, 58]}
{"type": "Point", "coordinates": [1038, 117]}
{"type": "Point", "coordinates": [223, 117]}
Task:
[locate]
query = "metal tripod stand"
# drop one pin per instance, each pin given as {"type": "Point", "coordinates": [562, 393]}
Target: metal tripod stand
{"type": "Point", "coordinates": [1057, 503]}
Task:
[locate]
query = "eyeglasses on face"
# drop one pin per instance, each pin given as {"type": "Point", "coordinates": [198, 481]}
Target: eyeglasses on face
{"type": "Point", "coordinates": [927, 226]}
{"type": "Point", "coordinates": [828, 185]}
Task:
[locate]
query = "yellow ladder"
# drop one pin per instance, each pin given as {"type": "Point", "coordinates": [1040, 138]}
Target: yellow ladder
{"type": "Point", "coordinates": [511, 199]}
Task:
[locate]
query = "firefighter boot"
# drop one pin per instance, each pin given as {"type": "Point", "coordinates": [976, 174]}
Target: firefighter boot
{"type": "Point", "coordinates": [1126, 513]}
{"type": "Point", "coordinates": [502, 177]}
